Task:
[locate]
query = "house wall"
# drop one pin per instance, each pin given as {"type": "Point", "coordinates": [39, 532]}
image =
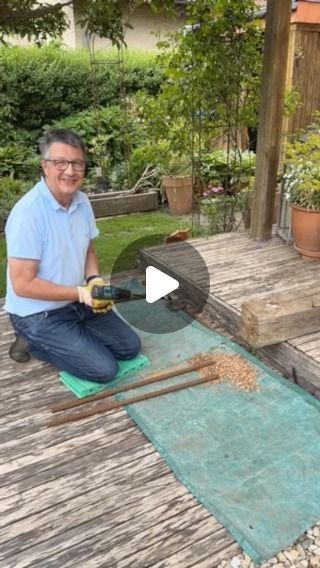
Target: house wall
{"type": "Point", "coordinates": [69, 36]}
{"type": "Point", "coordinates": [148, 29]}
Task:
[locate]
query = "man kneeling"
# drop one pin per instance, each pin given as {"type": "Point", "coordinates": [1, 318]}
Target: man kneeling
{"type": "Point", "coordinates": [52, 267]}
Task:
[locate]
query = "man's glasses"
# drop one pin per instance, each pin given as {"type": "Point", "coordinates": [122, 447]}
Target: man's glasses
{"type": "Point", "coordinates": [78, 165]}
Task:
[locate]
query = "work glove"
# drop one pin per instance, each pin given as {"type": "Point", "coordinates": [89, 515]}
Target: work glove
{"type": "Point", "coordinates": [98, 306]}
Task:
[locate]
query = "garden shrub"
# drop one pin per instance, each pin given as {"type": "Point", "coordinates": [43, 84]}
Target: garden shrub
{"type": "Point", "coordinates": [227, 179]}
{"type": "Point", "coordinates": [39, 85]}
{"type": "Point", "coordinates": [156, 156]}
{"type": "Point", "coordinates": [231, 170]}
{"type": "Point", "coordinates": [301, 178]}
{"type": "Point", "coordinates": [224, 213]}
{"type": "Point", "coordinates": [42, 85]}
{"type": "Point", "coordinates": [116, 128]}
{"type": "Point", "coordinates": [19, 161]}
{"type": "Point", "coordinates": [10, 192]}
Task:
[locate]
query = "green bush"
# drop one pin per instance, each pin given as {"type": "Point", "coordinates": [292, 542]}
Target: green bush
{"type": "Point", "coordinates": [227, 178]}
{"type": "Point", "coordinates": [231, 171]}
{"type": "Point", "coordinates": [302, 172]}
{"type": "Point", "coordinates": [19, 161]}
{"type": "Point", "coordinates": [40, 86]}
{"type": "Point", "coordinates": [10, 192]}
{"type": "Point", "coordinates": [224, 213]}
{"type": "Point", "coordinates": [156, 156]}
{"type": "Point", "coordinates": [118, 132]}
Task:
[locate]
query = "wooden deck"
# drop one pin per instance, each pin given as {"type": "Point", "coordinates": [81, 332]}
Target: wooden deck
{"type": "Point", "coordinates": [96, 493]}
{"type": "Point", "coordinates": [91, 494]}
{"type": "Point", "coordinates": [242, 269]}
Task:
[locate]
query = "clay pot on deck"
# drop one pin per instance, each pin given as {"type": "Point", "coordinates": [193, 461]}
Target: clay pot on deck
{"type": "Point", "coordinates": [179, 192]}
{"type": "Point", "coordinates": [306, 231]}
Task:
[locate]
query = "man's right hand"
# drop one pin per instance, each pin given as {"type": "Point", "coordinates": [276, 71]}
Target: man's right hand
{"type": "Point", "coordinates": [98, 306]}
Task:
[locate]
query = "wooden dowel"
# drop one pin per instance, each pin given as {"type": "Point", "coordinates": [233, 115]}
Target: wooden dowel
{"type": "Point", "coordinates": [155, 377]}
{"type": "Point", "coordinates": [104, 407]}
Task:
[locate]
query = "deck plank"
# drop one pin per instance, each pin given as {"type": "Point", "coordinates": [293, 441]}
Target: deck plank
{"type": "Point", "coordinates": [159, 498]}
{"type": "Point", "coordinates": [128, 546]}
{"type": "Point", "coordinates": [205, 553]}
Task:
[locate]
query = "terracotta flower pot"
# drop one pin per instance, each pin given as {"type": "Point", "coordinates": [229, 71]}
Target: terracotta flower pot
{"type": "Point", "coordinates": [179, 192]}
{"type": "Point", "coordinates": [306, 231]}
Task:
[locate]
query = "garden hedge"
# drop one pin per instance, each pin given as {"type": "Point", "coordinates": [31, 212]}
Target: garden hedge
{"type": "Point", "coordinates": [39, 86]}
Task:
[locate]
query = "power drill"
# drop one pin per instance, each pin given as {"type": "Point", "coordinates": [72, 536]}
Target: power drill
{"type": "Point", "coordinates": [109, 292]}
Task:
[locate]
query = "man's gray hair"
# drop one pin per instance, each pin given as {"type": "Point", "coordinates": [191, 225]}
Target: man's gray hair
{"type": "Point", "coordinates": [62, 135]}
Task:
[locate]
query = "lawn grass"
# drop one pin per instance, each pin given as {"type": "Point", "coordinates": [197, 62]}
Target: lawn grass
{"type": "Point", "coordinates": [116, 233]}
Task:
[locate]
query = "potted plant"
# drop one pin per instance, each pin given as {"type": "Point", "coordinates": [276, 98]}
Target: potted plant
{"type": "Point", "coordinates": [302, 189]}
{"type": "Point", "coordinates": [178, 184]}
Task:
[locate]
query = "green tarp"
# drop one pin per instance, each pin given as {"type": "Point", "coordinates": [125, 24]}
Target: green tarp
{"type": "Point", "coordinates": [251, 458]}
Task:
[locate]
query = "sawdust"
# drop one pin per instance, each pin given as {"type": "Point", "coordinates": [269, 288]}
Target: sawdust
{"type": "Point", "coordinates": [228, 367]}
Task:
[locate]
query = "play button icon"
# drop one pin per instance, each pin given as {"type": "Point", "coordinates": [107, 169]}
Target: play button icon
{"type": "Point", "coordinates": [158, 284]}
{"type": "Point", "coordinates": [169, 277]}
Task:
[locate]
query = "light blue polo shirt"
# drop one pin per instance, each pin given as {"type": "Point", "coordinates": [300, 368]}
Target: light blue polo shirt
{"type": "Point", "coordinates": [39, 228]}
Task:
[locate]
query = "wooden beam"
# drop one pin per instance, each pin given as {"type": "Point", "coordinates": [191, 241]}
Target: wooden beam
{"type": "Point", "coordinates": [270, 117]}
{"type": "Point", "coordinates": [281, 316]}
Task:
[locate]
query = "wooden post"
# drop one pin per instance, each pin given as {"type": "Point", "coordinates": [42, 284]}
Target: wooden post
{"type": "Point", "coordinates": [270, 117]}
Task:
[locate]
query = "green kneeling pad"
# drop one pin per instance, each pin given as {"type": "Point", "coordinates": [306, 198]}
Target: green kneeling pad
{"type": "Point", "coordinates": [82, 387]}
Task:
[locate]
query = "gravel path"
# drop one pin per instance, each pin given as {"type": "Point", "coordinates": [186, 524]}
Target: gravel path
{"type": "Point", "coordinates": [304, 553]}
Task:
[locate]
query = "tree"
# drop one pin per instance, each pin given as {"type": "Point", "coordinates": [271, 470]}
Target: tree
{"type": "Point", "coordinates": [213, 68]}
{"type": "Point", "coordinates": [30, 19]}
{"type": "Point", "coordinates": [39, 20]}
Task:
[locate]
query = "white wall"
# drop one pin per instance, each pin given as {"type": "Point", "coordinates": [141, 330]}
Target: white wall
{"type": "Point", "coordinates": [148, 29]}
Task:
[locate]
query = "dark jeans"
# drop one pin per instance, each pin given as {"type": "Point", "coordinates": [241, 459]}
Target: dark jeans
{"type": "Point", "coordinates": [76, 340]}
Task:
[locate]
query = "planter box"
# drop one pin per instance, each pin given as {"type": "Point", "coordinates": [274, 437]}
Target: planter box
{"type": "Point", "coordinates": [119, 203]}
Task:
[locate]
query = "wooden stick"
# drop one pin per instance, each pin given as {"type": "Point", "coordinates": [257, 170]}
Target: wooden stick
{"type": "Point", "coordinates": [105, 407]}
{"type": "Point", "coordinates": [172, 372]}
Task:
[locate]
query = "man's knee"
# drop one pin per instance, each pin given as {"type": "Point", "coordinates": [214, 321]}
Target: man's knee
{"type": "Point", "coordinates": [131, 347]}
{"type": "Point", "coordinates": [102, 374]}
{"type": "Point", "coordinates": [128, 350]}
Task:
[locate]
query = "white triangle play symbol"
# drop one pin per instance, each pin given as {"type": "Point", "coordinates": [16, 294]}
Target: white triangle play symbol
{"type": "Point", "coordinates": [158, 284]}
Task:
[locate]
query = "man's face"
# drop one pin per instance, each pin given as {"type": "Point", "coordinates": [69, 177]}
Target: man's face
{"type": "Point", "coordinates": [64, 183]}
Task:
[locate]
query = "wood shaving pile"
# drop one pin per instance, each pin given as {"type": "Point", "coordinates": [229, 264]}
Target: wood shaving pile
{"type": "Point", "coordinates": [228, 367]}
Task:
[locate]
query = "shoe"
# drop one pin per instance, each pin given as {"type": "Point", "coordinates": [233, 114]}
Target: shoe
{"type": "Point", "coordinates": [19, 351]}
